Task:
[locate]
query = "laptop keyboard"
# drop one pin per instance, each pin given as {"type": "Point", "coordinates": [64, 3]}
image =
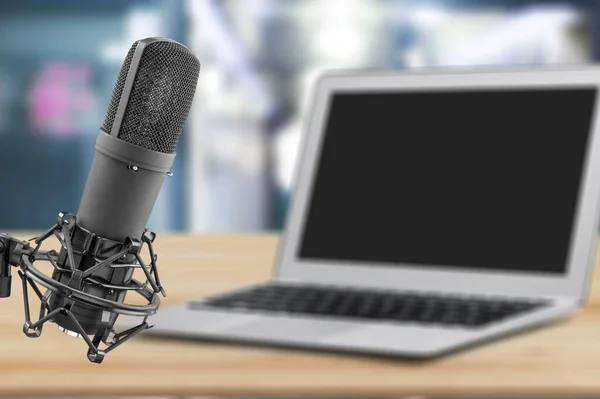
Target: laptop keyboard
{"type": "Point", "coordinates": [399, 307]}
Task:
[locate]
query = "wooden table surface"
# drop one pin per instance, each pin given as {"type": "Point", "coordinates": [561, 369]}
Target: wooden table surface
{"type": "Point", "coordinates": [560, 360]}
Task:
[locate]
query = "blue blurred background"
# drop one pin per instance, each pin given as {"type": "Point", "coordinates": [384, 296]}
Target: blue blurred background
{"type": "Point", "coordinates": [59, 61]}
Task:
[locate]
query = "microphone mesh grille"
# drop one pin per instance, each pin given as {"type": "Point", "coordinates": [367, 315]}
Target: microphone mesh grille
{"type": "Point", "coordinates": [116, 96]}
{"type": "Point", "coordinates": [160, 98]}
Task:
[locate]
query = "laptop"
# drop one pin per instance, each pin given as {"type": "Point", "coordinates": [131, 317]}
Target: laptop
{"type": "Point", "coordinates": [431, 212]}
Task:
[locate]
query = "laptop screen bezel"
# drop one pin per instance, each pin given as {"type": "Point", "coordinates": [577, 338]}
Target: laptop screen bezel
{"type": "Point", "coordinates": [582, 249]}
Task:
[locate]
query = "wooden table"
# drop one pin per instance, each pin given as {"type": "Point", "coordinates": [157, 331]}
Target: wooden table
{"type": "Point", "coordinates": [561, 360]}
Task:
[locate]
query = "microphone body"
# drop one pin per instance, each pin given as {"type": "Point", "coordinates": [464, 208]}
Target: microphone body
{"type": "Point", "coordinates": [135, 150]}
{"type": "Point", "coordinates": [122, 188]}
{"type": "Point", "coordinates": [100, 246]}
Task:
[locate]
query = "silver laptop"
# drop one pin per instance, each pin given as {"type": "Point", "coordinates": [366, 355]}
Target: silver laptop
{"type": "Point", "coordinates": [430, 212]}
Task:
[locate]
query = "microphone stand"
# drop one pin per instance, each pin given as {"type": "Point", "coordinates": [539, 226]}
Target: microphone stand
{"type": "Point", "coordinates": [23, 255]}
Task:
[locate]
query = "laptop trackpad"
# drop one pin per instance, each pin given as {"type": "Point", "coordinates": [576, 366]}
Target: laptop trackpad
{"type": "Point", "coordinates": [286, 327]}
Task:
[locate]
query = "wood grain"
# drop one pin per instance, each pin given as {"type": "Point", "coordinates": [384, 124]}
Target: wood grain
{"type": "Point", "coordinates": [560, 360]}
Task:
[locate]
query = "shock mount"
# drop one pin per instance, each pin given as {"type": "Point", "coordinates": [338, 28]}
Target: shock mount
{"type": "Point", "coordinates": [72, 290]}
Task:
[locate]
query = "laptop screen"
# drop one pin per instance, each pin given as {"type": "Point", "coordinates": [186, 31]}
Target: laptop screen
{"type": "Point", "coordinates": [479, 179]}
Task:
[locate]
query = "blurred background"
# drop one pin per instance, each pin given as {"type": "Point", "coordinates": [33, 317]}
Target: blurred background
{"type": "Point", "coordinates": [59, 61]}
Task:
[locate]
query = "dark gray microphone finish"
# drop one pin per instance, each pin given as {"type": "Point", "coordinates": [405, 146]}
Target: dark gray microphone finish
{"type": "Point", "coordinates": [135, 150]}
{"type": "Point", "coordinates": [122, 187]}
{"type": "Point", "coordinates": [150, 104]}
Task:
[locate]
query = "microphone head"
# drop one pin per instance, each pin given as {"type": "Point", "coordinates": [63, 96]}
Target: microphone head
{"type": "Point", "coordinates": [153, 94]}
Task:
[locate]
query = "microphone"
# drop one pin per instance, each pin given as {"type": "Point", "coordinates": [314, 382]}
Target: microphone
{"type": "Point", "coordinates": [149, 105]}
{"type": "Point", "coordinates": [135, 149]}
{"type": "Point", "coordinates": [101, 245]}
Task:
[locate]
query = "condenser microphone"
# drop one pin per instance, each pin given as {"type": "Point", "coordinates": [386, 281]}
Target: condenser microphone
{"type": "Point", "coordinates": [149, 105]}
{"type": "Point", "coordinates": [101, 245]}
{"type": "Point", "coordinates": [135, 150]}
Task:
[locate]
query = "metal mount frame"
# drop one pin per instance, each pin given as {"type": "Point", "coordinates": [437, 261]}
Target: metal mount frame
{"type": "Point", "coordinates": [21, 254]}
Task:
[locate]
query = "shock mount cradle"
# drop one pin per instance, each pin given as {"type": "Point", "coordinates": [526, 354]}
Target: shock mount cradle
{"type": "Point", "coordinates": [77, 242]}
